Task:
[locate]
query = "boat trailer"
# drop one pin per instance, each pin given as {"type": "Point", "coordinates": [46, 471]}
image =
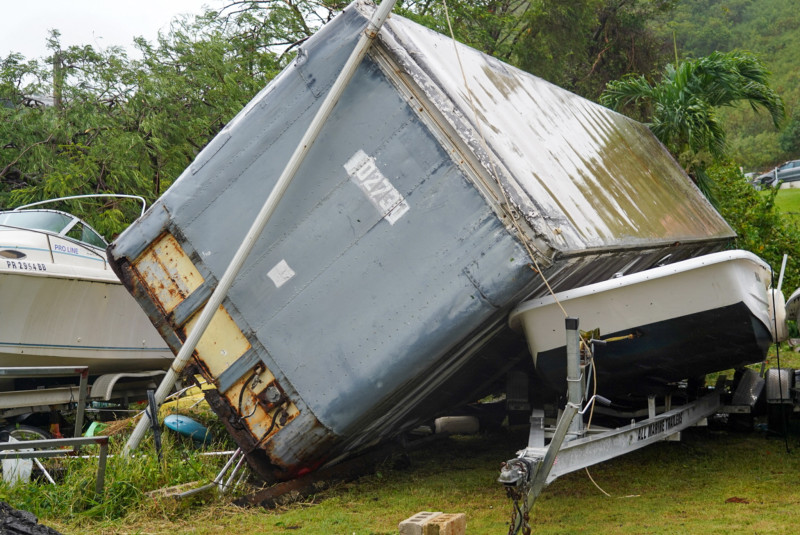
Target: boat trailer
{"type": "Point", "coordinates": [573, 445]}
{"type": "Point", "coordinates": [73, 392]}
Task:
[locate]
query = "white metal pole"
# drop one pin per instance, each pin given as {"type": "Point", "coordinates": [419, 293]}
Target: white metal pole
{"type": "Point", "coordinates": [349, 69]}
{"type": "Point", "coordinates": [783, 270]}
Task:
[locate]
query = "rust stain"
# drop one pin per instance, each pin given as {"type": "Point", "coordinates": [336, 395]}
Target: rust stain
{"type": "Point", "coordinates": [256, 408]}
{"type": "Point", "coordinates": [165, 268]}
{"type": "Point", "coordinates": [262, 404]}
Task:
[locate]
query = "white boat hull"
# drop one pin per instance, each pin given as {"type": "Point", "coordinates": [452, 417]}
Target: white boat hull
{"type": "Point", "coordinates": [673, 322]}
{"type": "Point", "coordinates": [53, 321]}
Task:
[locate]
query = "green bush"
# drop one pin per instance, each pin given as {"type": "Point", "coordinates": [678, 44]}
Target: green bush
{"type": "Point", "coordinates": [760, 227]}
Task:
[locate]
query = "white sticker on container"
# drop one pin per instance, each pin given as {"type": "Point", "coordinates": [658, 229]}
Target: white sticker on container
{"type": "Point", "coordinates": [281, 273]}
{"type": "Point", "coordinates": [382, 194]}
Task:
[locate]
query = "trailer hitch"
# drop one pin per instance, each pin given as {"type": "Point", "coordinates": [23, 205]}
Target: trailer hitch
{"type": "Point", "coordinates": [517, 472]}
{"type": "Point", "coordinates": [516, 475]}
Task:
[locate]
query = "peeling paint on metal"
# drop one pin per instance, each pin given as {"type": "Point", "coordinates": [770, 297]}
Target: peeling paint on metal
{"type": "Point", "coordinates": [168, 272]}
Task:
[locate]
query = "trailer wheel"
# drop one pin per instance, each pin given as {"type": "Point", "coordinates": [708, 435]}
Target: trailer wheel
{"type": "Point", "coordinates": [27, 432]}
{"type": "Point", "coordinates": [21, 433]}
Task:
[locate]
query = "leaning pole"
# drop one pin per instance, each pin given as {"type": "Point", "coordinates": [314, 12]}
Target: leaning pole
{"type": "Point", "coordinates": [289, 172]}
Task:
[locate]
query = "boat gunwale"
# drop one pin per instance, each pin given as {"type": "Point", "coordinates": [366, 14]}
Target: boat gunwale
{"type": "Point", "coordinates": [515, 317]}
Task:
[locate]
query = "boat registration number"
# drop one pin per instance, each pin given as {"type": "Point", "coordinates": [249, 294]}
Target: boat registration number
{"type": "Point", "coordinates": [25, 266]}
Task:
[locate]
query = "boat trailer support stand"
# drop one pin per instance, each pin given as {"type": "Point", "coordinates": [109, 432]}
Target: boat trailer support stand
{"type": "Point", "coordinates": [49, 396]}
{"type": "Point", "coordinates": [526, 475]}
{"type": "Point", "coordinates": [11, 450]}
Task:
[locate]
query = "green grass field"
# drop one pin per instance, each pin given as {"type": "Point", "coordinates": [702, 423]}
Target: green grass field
{"type": "Point", "coordinates": [714, 481]}
{"type": "Point", "coordinates": [788, 201]}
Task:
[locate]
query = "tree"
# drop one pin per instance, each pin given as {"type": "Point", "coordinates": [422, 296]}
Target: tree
{"type": "Point", "coordinates": [760, 227]}
{"type": "Point", "coordinates": [790, 136]}
{"type": "Point", "coordinates": [122, 125]}
{"type": "Point", "coordinates": [579, 45]}
{"type": "Point", "coordinates": [281, 25]}
{"type": "Point", "coordinates": [766, 29]}
{"type": "Point", "coordinates": [681, 109]}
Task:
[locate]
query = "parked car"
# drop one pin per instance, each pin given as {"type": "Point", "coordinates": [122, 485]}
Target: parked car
{"type": "Point", "coordinates": [787, 172]}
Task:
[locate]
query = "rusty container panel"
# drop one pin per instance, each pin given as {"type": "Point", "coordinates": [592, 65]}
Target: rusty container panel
{"type": "Point", "coordinates": [170, 277]}
{"type": "Point", "coordinates": [378, 293]}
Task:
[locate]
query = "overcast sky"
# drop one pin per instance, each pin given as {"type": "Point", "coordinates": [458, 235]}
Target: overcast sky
{"type": "Point", "coordinates": [24, 26]}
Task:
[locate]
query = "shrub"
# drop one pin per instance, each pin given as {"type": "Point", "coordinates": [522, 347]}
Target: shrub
{"type": "Point", "coordinates": [760, 227]}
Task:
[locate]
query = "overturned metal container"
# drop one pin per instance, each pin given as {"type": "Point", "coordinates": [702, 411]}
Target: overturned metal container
{"type": "Point", "coordinates": [434, 201]}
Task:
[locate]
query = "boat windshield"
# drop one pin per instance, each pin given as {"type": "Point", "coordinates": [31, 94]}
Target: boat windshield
{"type": "Point", "coordinates": [53, 221]}
{"type": "Point", "coordinates": [84, 233]}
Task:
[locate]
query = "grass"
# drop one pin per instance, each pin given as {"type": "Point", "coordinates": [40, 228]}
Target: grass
{"type": "Point", "coordinates": [714, 481]}
{"type": "Point", "coordinates": [788, 201]}
{"type": "Point", "coordinates": [711, 482]}
{"type": "Point", "coordinates": [789, 358]}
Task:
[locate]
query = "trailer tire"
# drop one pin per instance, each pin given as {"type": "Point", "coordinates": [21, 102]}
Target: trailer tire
{"type": "Point", "coordinates": [21, 433]}
{"type": "Point", "coordinates": [27, 432]}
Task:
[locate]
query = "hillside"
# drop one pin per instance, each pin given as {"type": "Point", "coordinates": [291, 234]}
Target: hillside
{"type": "Point", "coordinates": [769, 29]}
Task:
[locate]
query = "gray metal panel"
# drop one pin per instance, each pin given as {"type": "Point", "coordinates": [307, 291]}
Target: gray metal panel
{"type": "Point", "coordinates": [214, 204]}
{"type": "Point", "coordinates": [347, 259]}
{"type": "Point", "coordinates": [779, 385]}
{"type": "Point", "coordinates": [385, 299]}
{"type": "Point", "coordinates": [751, 385]}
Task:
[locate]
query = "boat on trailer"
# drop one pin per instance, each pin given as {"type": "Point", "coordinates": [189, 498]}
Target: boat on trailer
{"type": "Point", "coordinates": [631, 341]}
{"type": "Point", "coordinates": [60, 302]}
{"type": "Point", "coordinates": [662, 325]}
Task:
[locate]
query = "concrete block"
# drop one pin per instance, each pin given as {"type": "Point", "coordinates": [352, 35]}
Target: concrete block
{"type": "Point", "coordinates": [446, 524]}
{"type": "Point", "coordinates": [416, 524]}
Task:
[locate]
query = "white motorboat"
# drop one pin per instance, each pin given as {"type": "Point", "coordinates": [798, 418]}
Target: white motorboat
{"type": "Point", "coordinates": [665, 324]}
{"type": "Point", "coordinates": [60, 302]}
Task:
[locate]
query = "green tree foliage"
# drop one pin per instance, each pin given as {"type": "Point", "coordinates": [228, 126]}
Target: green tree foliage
{"type": "Point", "coordinates": [124, 125]}
{"type": "Point", "coordinates": [281, 24]}
{"type": "Point", "coordinates": [789, 139]}
{"type": "Point", "coordinates": [681, 108]}
{"type": "Point", "coordinates": [767, 28]}
{"type": "Point", "coordinates": [759, 226]}
{"type": "Point", "coordinates": [579, 45]}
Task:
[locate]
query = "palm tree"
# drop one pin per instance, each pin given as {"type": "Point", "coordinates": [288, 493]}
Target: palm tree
{"type": "Point", "coordinates": [681, 109]}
